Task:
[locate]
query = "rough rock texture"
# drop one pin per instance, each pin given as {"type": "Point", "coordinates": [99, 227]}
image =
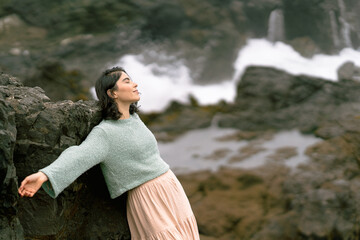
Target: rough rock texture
{"type": "Point", "coordinates": [348, 71]}
{"type": "Point", "coordinates": [37, 131]}
{"type": "Point", "coordinates": [9, 221]}
{"type": "Point", "coordinates": [58, 83]}
{"type": "Point", "coordinates": [178, 118]}
{"type": "Point", "coordinates": [320, 200]}
{"type": "Point", "coordinates": [269, 98]}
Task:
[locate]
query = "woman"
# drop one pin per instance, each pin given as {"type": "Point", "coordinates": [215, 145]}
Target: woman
{"type": "Point", "coordinates": [157, 207]}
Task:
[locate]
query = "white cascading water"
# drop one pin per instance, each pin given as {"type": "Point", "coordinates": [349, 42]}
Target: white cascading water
{"type": "Point", "coordinates": [160, 84]}
{"type": "Point", "coordinates": [346, 32]}
{"type": "Point", "coordinates": [282, 56]}
{"type": "Point", "coordinates": [276, 28]}
{"type": "Point", "coordinates": [345, 26]}
{"type": "Point", "coordinates": [334, 29]}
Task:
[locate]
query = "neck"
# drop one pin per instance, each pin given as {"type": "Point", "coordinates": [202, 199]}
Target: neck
{"type": "Point", "coordinates": [125, 115]}
{"type": "Point", "coordinates": [124, 109]}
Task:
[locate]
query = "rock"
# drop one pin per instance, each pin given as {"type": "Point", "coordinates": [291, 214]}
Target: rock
{"type": "Point", "coordinates": [59, 83]}
{"type": "Point", "coordinates": [336, 128]}
{"type": "Point", "coordinates": [273, 99]}
{"type": "Point", "coordinates": [316, 15]}
{"type": "Point", "coordinates": [348, 71]}
{"type": "Point", "coordinates": [9, 220]}
{"type": "Point", "coordinates": [233, 204]}
{"type": "Point", "coordinates": [37, 131]}
{"type": "Point", "coordinates": [271, 202]}
{"type": "Point", "coordinates": [8, 22]}
{"type": "Point", "coordinates": [246, 152]}
{"type": "Point", "coordinates": [76, 17]}
{"type": "Point", "coordinates": [318, 200]}
{"type": "Point", "coordinates": [268, 99]}
{"type": "Point", "coordinates": [283, 153]}
{"type": "Point", "coordinates": [329, 186]}
{"type": "Point", "coordinates": [305, 46]}
{"type": "Point", "coordinates": [178, 118]}
{"type": "Point", "coordinates": [12, 26]}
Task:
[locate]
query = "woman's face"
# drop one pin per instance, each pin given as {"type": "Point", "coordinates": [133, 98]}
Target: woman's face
{"type": "Point", "coordinates": [126, 90]}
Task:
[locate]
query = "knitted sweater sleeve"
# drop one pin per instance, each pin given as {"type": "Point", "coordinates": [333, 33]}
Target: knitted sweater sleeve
{"type": "Point", "coordinates": [74, 161]}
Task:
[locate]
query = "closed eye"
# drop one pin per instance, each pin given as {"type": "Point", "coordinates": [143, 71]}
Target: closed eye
{"type": "Point", "coordinates": [126, 80]}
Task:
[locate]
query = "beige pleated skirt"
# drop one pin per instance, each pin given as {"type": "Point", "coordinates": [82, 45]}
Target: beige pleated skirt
{"type": "Point", "coordinates": [160, 209]}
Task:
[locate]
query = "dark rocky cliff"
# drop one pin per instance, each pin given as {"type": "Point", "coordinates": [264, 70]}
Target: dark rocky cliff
{"type": "Point", "coordinates": [34, 131]}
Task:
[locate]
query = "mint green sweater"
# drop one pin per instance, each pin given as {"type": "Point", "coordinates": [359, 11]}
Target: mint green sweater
{"type": "Point", "coordinates": [126, 150]}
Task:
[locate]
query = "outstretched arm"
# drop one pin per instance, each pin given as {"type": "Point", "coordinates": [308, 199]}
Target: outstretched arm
{"type": "Point", "coordinates": [31, 184]}
{"type": "Point", "coordinates": [71, 163]}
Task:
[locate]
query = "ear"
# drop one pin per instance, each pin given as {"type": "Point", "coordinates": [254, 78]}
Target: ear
{"type": "Point", "coordinates": [109, 93]}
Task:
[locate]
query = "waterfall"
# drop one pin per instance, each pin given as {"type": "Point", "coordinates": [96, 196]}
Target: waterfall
{"type": "Point", "coordinates": [334, 30]}
{"type": "Point", "coordinates": [342, 7]}
{"type": "Point", "coordinates": [345, 26]}
{"type": "Point", "coordinates": [346, 31]}
{"type": "Point", "coordinates": [276, 28]}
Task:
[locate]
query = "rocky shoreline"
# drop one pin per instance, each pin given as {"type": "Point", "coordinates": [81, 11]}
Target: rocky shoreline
{"type": "Point", "coordinates": [46, 43]}
{"type": "Point", "coordinates": [319, 200]}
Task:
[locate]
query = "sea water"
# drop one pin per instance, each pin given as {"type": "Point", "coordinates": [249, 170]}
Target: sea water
{"type": "Point", "coordinates": [192, 151]}
{"type": "Point", "coordinates": [159, 84]}
{"type": "Point", "coordinates": [162, 83]}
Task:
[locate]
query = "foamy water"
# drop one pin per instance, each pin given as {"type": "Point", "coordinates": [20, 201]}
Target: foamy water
{"type": "Point", "coordinates": [282, 56]}
{"type": "Point", "coordinates": [160, 84]}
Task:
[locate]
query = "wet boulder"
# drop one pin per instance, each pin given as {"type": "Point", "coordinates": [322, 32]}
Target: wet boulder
{"type": "Point", "coordinates": [348, 71]}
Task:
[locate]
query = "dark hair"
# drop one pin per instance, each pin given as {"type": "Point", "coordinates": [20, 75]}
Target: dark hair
{"type": "Point", "coordinates": [108, 81]}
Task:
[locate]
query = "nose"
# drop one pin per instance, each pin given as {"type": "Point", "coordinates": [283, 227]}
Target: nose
{"type": "Point", "coordinates": [135, 84]}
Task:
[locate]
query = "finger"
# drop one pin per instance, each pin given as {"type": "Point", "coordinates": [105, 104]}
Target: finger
{"type": "Point", "coordinates": [21, 188]}
{"type": "Point", "coordinates": [31, 194]}
{"type": "Point", "coordinates": [25, 181]}
{"type": "Point", "coordinates": [27, 194]}
{"type": "Point", "coordinates": [22, 192]}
